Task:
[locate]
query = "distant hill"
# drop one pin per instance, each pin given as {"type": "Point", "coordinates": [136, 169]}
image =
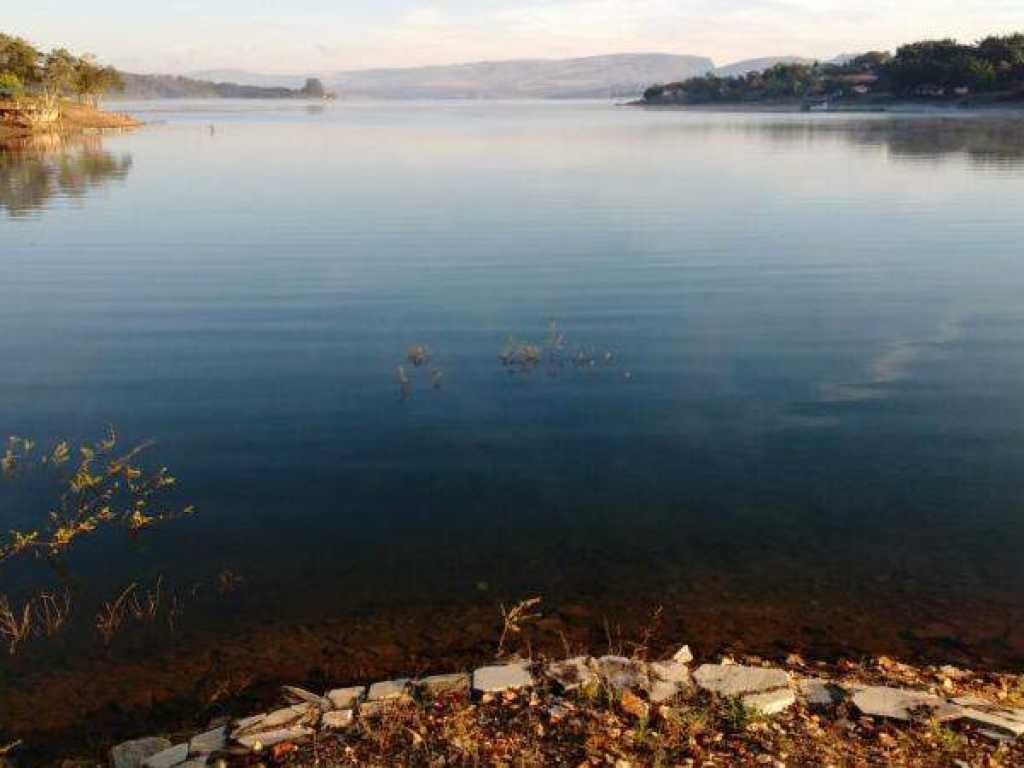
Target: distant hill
{"type": "Point", "coordinates": [758, 65]}
{"type": "Point", "coordinates": [614, 76]}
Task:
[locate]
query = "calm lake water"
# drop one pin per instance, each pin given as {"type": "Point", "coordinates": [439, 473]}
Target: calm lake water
{"type": "Point", "coordinates": [788, 407]}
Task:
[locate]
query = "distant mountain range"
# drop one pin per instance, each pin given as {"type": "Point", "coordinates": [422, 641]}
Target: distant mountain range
{"type": "Point", "coordinates": [623, 75]}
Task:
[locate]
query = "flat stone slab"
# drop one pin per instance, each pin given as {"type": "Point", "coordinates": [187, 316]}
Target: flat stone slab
{"type": "Point", "coordinates": [441, 685]}
{"type": "Point", "coordinates": [622, 674]}
{"type": "Point", "coordinates": [388, 689]}
{"type": "Point", "coordinates": [818, 692]}
{"type": "Point", "coordinates": [337, 719]}
{"type": "Point", "coordinates": [993, 717]}
{"type": "Point", "coordinates": [346, 698]}
{"type": "Point", "coordinates": [167, 758]}
{"type": "Point", "coordinates": [668, 679]}
{"type": "Point", "coordinates": [770, 702]}
{"type": "Point", "coordinates": [210, 741]}
{"type": "Point", "coordinates": [502, 677]}
{"type": "Point", "coordinates": [572, 674]}
{"type": "Point", "coordinates": [900, 703]}
{"type": "Point", "coordinates": [736, 680]}
{"type": "Point", "coordinates": [301, 695]}
{"type": "Point", "coordinates": [260, 741]}
{"type": "Point", "coordinates": [130, 754]}
{"type": "Point", "coordinates": [670, 671]}
{"type": "Point", "coordinates": [270, 721]}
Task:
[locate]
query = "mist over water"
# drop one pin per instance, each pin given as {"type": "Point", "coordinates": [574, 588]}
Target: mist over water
{"type": "Point", "coordinates": [788, 407]}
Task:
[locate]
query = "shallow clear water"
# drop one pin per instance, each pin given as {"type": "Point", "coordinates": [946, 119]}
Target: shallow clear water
{"type": "Point", "coordinates": [804, 424]}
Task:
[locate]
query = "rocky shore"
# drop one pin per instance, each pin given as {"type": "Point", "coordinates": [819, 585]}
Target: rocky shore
{"type": "Point", "coordinates": [625, 711]}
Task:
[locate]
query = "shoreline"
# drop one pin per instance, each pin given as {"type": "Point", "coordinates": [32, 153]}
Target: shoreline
{"type": "Point", "coordinates": [74, 118]}
{"type": "Point", "coordinates": [622, 710]}
{"type": "Point", "coordinates": [895, 107]}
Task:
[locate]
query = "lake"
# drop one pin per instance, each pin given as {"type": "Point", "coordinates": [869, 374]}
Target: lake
{"type": "Point", "coordinates": [765, 371]}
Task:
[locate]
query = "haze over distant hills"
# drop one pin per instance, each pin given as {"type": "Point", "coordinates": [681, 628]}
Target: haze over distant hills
{"type": "Point", "coordinates": [613, 76]}
{"type": "Point", "coordinates": [595, 76]}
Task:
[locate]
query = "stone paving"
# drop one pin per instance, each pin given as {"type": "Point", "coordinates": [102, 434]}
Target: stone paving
{"type": "Point", "coordinates": [766, 690]}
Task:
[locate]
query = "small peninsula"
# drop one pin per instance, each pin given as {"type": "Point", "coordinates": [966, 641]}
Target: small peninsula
{"type": "Point", "coordinates": [933, 72]}
{"type": "Point", "coordinates": [55, 91]}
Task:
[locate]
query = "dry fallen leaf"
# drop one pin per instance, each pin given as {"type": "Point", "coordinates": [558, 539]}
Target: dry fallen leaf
{"type": "Point", "coordinates": [284, 748]}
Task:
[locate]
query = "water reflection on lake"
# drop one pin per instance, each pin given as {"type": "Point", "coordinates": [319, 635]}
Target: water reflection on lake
{"type": "Point", "coordinates": [996, 142]}
{"type": "Point", "coordinates": [37, 169]}
{"type": "Point", "coordinates": [819, 444]}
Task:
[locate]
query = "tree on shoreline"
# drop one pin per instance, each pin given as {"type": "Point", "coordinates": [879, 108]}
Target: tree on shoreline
{"type": "Point", "coordinates": [59, 73]}
{"type": "Point", "coordinates": [19, 58]}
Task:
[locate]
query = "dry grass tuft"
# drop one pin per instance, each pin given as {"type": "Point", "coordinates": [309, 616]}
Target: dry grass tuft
{"type": "Point", "coordinates": [515, 619]}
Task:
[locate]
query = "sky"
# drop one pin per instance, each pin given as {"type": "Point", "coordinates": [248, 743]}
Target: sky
{"type": "Point", "coordinates": [324, 36]}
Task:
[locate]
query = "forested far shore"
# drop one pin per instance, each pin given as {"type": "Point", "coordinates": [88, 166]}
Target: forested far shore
{"type": "Point", "coordinates": [179, 87]}
{"type": "Point", "coordinates": [990, 70]}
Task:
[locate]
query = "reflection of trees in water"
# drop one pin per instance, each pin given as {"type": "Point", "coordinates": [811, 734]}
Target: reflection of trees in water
{"type": "Point", "coordinates": [35, 169]}
{"type": "Point", "coordinates": [990, 142]}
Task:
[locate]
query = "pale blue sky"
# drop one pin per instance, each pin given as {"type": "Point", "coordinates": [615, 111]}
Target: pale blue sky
{"type": "Point", "coordinates": [318, 36]}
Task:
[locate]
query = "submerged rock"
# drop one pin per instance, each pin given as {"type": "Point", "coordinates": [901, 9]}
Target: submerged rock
{"type": "Point", "coordinates": [131, 754]}
{"type": "Point", "coordinates": [736, 680]}
{"type": "Point", "coordinates": [502, 677]}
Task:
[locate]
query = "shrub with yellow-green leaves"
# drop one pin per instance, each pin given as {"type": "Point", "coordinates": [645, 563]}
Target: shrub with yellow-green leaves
{"type": "Point", "coordinates": [98, 487]}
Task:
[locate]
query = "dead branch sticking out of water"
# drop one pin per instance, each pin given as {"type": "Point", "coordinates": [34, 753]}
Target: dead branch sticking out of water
{"type": "Point", "coordinates": [418, 356]}
{"type": "Point", "coordinates": [15, 626]}
{"type": "Point", "coordinates": [53, 610]}
{"type": "Point", "coordinates": [110, 619]}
